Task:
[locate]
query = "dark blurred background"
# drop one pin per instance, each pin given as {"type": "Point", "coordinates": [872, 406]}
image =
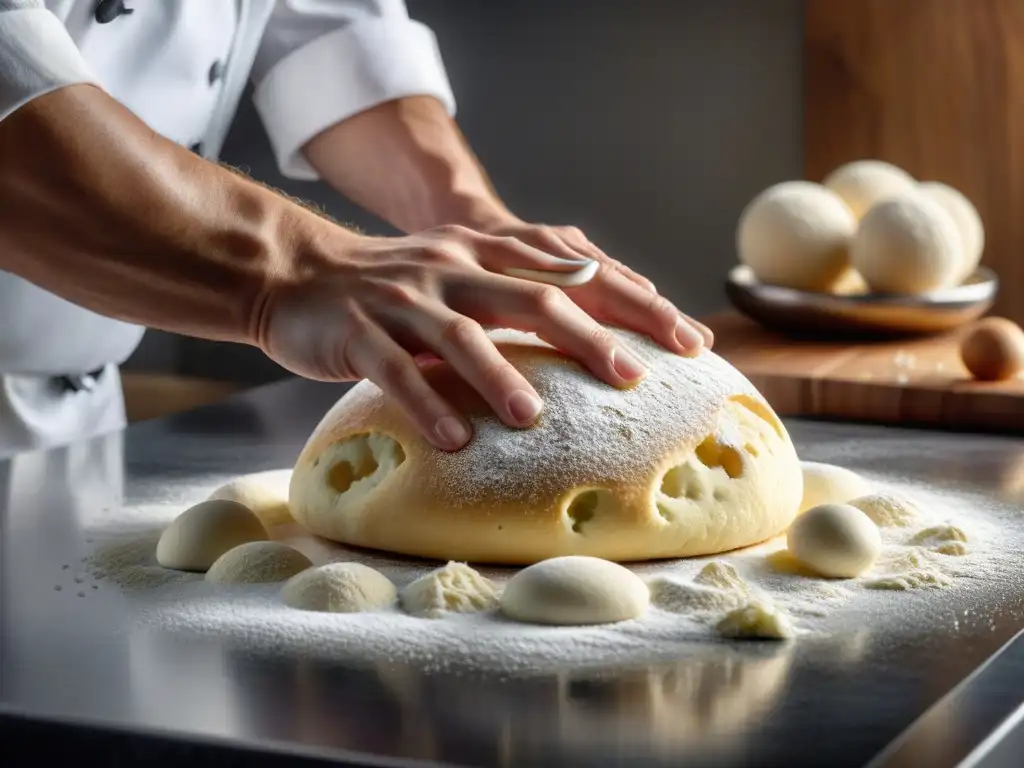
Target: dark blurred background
{"type": "Point", "coordinates": [649, 124]}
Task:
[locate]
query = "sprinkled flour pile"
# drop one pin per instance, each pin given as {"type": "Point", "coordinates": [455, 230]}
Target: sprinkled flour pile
{"type": "Point", "coordinates": [958, 545]}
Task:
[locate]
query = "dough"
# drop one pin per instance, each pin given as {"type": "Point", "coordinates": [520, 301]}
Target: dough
{"type": "Point", "coordinates": [339, 588]}
{"type": "Point", "coordinates": [907, 245]}
{"type": "Point", "coordinates": [829, 484]}
{"type": "Point", "coordinates": [690, 461]}
{"type": "Point", "coordinates": [945, 539]}
{"type": "Point", "coordinates": [575, 590]}
{"type": "Point", "coordinates": [993, 349]}
{"type": "Point", "coordinates": [202, 533]}
{"type": "Point", "coordinates": [257, 562]}
{"type": "Point", "coordinates": [796, 234]}
{"type": "Point", "coordinates": [455, 588]}
{"type": "Point", "coordinates": [675, 595]}
{"type": "Point", "coordinates": [835, 540]}
{"type": "Point", "coordinates": [967, 220]}
{"type": "Point", "coordinates": [887, 510]}
{"type": "Point", "coordinates": [265, 493]}
{"type": "Point", "coordinates": [863, 183]}
{"type": "Point", "coordinates": [756, 620]}
{"type": "Point", "coordinates": [721, 575]}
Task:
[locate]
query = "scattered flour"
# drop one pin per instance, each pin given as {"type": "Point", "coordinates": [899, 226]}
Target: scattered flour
{"type": "Point", "coordinates": [691, 599]}
{"type": "Point", "coordinates": [756, 620]}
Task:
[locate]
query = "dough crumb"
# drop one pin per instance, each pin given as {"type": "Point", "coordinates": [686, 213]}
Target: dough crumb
{"type": "Point", "coordinates": [756, 620]}
{"type": "Point", "coordinates": [887, 510]}
{"type": "Point", "coordinates": [455, 588]}
{"type": "Point", "coordinates": [722, 575]}
{"type": "Point", "coordinates": [678, 596]}
{"type": "Point", "coordinates": [909, 580]}
{"type": "Point", "coordinates": [944, 539]}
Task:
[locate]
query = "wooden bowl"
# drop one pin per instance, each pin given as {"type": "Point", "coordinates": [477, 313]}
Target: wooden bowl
{"type": "Point", "coordinates": [868, 315]}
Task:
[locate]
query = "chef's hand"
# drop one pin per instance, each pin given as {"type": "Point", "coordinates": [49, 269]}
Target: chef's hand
{"type": "Point", "coordinates": [369, 309]}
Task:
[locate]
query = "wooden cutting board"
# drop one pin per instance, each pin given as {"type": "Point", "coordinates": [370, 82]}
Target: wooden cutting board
{"type": "Point", "coordinates": [920, 382]}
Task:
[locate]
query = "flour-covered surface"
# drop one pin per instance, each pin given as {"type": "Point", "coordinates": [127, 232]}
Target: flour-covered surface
{"type": "Point", "coordinates": [912, 586]}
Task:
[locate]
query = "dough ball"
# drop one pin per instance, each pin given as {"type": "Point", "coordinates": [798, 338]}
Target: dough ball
{"type": "Point", "coordinates": [835, 540]}
{"type": "Point", "coordinates": [968, 223]}
{"type": "Point", "coordinates": [339, 588]}
{"type": "Point", "coordinates": [887, 510]}
{"type": "Point", "coordinates": [690, 461]}
{"type": "Point", "coordinates": [796, 234]}
{"type": "Point", "coordinates": [993, 349]}
{"type": "Point", "coordinates": [201, 534]}
{"type": "Point", "coordinates": [907, 245]}
{"type": "Point", "coordinates": [455, 588]}
{"type": "Point", "coordinates": [265, 493]}
{"type": "Point", "coordinates": [757, 620]}
{"type": "Point", "coordinates": [863, 183]}
{"type": "Point", "coordinates": [257, 562]}
{"type": "Point", "coordinates": [575, 590]}
{"type": "Point", "coordinates": [829, 484]}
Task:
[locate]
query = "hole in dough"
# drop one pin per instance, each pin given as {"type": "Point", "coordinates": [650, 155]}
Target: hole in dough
{"type": "Point", "coordinates": [664, 512]}
{"type": "Point", "coordinates": [712, 454]}
{"type": "Point", "coordinates": [720, 494]}
{"type": "Point", "coordinates": [760, 410]}
{"type": "Point", "coordinates": [585, 507]}
{"type": "Point", "coordinates": [360, 457]}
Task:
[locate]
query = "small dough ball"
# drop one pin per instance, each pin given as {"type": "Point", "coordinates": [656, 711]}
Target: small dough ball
{"type": "Point", "coordinates": [265, 493]}
{"type": "Point", "coordinates": [202, 533]}
{"type": "Point", "coordinates": [967, 220]}
{"type": "Point", "coordinates": [835, 540]}
{"type": "Point", "coordinates": [863, 183]}
{"type": "Point", "coordinates": [757, 620]}
{"type": "Point", "coordinates": [257, 562]}
{"type": "Point", "coordinates": [455, 588]}
{"type": "Point", "coordinates": [796, 234]}
{"type": "Point", "coordinates": [829, 484]}
{"type": "Point", "coordinates": [887, 510]}
{"type": "Point", "coordinates": [575, 590]}
{"type": "Point", "coordinates": [907, 245]}
{"type": "Point", "coordinates": [993, 349]}
{"type": "Point", "coordinates": [339, 588]}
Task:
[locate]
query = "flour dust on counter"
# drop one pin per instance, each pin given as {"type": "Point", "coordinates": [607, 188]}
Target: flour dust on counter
{"type": "Point", "coordinates": [957, 549]}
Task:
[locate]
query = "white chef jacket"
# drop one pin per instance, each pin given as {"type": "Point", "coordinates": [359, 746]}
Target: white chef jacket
{"type": "Point", "coordinates": [182, 66]}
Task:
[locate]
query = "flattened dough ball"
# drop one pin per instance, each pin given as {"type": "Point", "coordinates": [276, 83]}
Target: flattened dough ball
{"type": "Point", "coordinates": [835, 540]}
{"type": "Point", "coordinates": [993, 349]}
{"type": "Point", "coordinates": [690, 461]}
{"type": "Point", "coordinates": [265, 493]}
{"type": "Point", "coordinates": [575, 590]}
{"type": "Point", "coordinates": [204, 532]}
{"type": "Point", "coordinates": [967, 220]}
{"type": "Point", "coordinates": [257, 562]}
{"type": "Point", "coordinates": [829, 484]}
{"type": "Point", "coordinates": [907, 244]}
{"type": "Point", "coordinates": [796, 234]}
{"type": "Point", "coordinates": [339, 588]}
{"type": "Point", "coordinates": [863, 183]}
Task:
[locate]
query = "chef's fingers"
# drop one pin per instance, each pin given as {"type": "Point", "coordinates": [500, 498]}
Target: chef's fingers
{"type": "Point", "coordinates": [548, 312]}
{"type": "Point", "coordinates": [463, 344]}
{"type": "Point", "coordinates": [613, 298]}
{"type": "Point", "coordinates": [579, 242]}
{"type": "Point", "coordinates": [511, 256]}
{"type": "Point", "coordinates": [371, 353]}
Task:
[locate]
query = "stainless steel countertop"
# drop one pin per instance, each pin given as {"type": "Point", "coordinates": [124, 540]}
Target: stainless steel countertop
{"type": "Point", "coordinates": [844, 701]}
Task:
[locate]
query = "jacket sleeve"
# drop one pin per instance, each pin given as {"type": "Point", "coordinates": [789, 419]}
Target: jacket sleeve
{"type": "Point", "coordinates": [37, 55]}
{"type": "Point", "coordinates": [323, 61]}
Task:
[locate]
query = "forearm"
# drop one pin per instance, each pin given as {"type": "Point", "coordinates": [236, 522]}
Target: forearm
{"type": "Point", "coordinates": [407, 161]}
{"type": "Point", "coordinates": [100, 210]}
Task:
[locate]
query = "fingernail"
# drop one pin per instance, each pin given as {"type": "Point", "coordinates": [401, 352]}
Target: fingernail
{"type": "Point", "coordinates": [627, 366]}
{"type": "Point", "coordinates": [523, 406]}
{"type": "Point", "coordinates": [688, 336]}
{"type": "Point", "coordinates": [451, 432]}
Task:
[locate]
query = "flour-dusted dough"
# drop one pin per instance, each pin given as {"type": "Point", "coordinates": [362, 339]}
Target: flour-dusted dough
{"type": "Point", "coordinates": [907, 244]}
{"type": "Point", "coordinates": [265, 493]}
{"type": "Point", "coordinates": [863, 183]}
{"type": "Point", "coordinates": [886, 510]}
{"type": "Point", "coordinates": [339, 588]}
{"type": "Point", "coordinates": [455, 588]}
{"type": "Point", "coordinates": [756, 620]}
{"type": "Point", "coordinates": [796, 234]}
{"type": "Point", "coordinates": [835, 540]}
{"type": "Point", "coordinates": [690, 461]}
{"type": "Point", "coordinates": [202, 533]}
{"type": "Point", "coordinates": [575, 590]}
{"type": "Point", "coordinates": [829, 484]}
{"type": "Point", "coordinates": [967, 220]}
{"type": "Point", "coordinates": [257, 562]}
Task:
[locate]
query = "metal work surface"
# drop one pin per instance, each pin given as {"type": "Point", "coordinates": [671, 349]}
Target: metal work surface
{"type": "Point", "coordinates": [847, 700]}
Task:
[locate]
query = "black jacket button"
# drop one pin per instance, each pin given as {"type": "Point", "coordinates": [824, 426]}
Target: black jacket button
{"type": "Point", "coordinates": [108, 10]}
{"type": "Point", "coordinates": [197, 148]}
{"type": "Point", "coordinates": [216, 71]}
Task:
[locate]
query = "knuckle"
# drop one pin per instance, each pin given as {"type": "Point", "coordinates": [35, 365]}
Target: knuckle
{"type": "Point", "coordinates": [662, 307]}
{"type": "Point", "coordinates": [460, 331]}
{"type": "Point", "coordinates": [400, 294]}
{"type": "Point", "coordinates": [546, 299]}
{"type": "Point", "coordinates": [455, 231]}
{"type": "Point", "coordinates": [601, 338]}
{"type": "Point", "coordinates": [391, 373]}
{"type": "Point", "coordinates": [438, 253]}
{"type": "Point", "coordinates": [573, 232]}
